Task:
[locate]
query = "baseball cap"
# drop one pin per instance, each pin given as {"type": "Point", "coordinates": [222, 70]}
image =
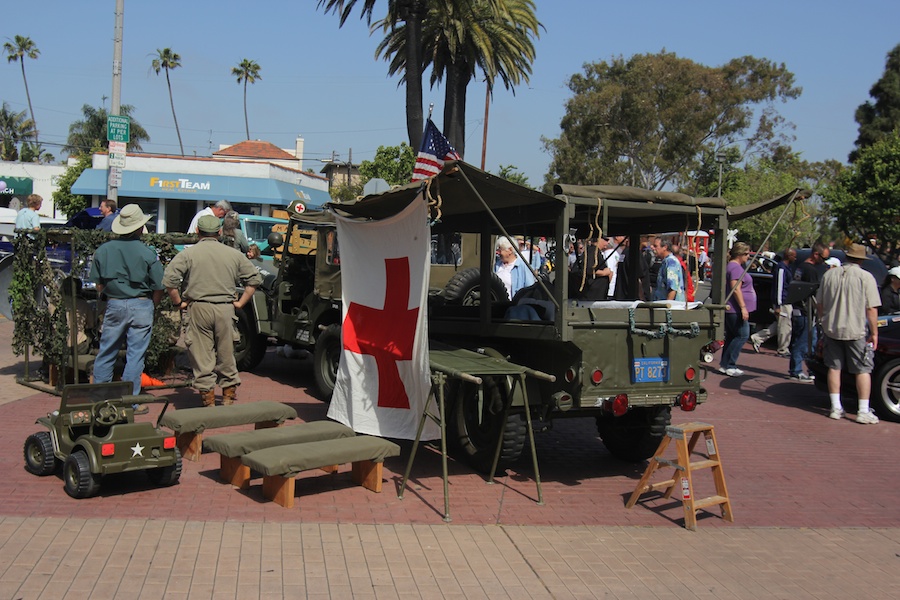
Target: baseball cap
{"type": "Point", "coordinates": [209, 224]}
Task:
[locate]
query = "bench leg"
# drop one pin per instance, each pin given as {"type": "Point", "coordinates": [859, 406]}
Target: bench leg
{"type": "Point", "coordinates": [368, 474]}
{"type": "Point", "coordinates": [190, 444]}
{"type": "Point", "coordinates": [331, 469]}
{"type": "Point", "coordinates": [279, 490]}
{"type": "Point", "coordinates": [266, 425]}
{"type": "Point", "coordinates": [233, 471]}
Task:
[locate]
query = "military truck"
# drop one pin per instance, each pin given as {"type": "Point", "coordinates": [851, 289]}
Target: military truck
{"type": "Point", "coordinates": [626, 364]}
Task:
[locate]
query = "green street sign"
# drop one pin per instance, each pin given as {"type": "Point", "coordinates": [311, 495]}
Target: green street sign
{"type": "Point", "coordinates": [118, 128]}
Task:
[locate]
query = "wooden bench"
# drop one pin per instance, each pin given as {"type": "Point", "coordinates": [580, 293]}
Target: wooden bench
{"type": "Point", "coordinates": [232, 446]}
{"type": "Point", "coordinates": [279, 465]}
{"type": "Point", "coordinates": [190, 423]}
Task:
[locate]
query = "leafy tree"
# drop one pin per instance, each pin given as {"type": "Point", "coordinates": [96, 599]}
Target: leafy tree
{"type": "Point", "coordinates": [166, 60]}
{"type": "Point", "coordinates": [394, 164]}
{"type": "Point", "coordinates": [863, 200]}
{"type": "Point", "coordinates": [344, 192]}
{"type": "Point", "coordinates": [63, 199]}
{"type": "Point", "coordinates": [881, 118]}
{"type": "Point", "coordinates": [34, 152]}
{"type": "Point", "coordinates": [512, 173]}
{"type": "Point", "coordinates": [18, 50]}
{"type": "Point", "coordinates": [493, 35]}
{"type": "Point", "coordinates": [91, 132]}
{"type": "Point", "coordinates": [649, 120]}
{"type": "Point", "coordinates": [15, 127]}
{"type": "Point", "coordinates": [247, 72]}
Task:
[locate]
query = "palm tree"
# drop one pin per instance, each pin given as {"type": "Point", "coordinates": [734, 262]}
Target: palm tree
{"type": "Point", "coordinates": [17, 50]}
{"type": "Point", "coordinates": [91, 132]}
{"type": "Point", "coordinates": [493, 35]}
{"type": "Point", "coordinates": [165, 61]}
{"type": "Point", "coordinates": [247, 72]}
{"type": "Point", "coordinates": [15, 127]}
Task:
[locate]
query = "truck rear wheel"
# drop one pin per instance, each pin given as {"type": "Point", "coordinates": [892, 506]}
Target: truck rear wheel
{"type": "Point", "coordinates": [250, 349]}
{"type": "Point", "coordinates": [465, 288]}
{"type": "Point", "coordinates": [636, 435]}
{"type": "Point", "coordinates": [473, 430]}
{"type": "Point", "coordinates": [166, 476]}
{"type": "Point", "coordinates": [326, 358]}
{"type": "Point", "coordinates": [39, 457]}
{"type": "Point", "coordinates": [77, 477]}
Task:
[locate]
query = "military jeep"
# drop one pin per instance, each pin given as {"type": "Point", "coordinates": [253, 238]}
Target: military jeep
{"type": "Point", "coordinates": [94, 434]}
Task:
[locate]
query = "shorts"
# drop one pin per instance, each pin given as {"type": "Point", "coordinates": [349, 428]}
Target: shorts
{"type": "Point", "coordinates": [847, 355]}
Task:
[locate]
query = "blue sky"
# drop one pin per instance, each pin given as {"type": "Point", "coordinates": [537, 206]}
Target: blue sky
{"type": "Point", "coordinates": [324, 83]}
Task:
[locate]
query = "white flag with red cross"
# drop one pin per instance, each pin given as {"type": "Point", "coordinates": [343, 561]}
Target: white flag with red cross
{"type": "Point", "coordinates": [384, 377]}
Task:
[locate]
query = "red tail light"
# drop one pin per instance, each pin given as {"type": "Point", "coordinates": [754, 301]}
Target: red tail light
{"type": "Point", "coordinates": [690, 374]}
{"type": "Point", "coordinates": [618, 406]}
{"type": "Point", "coordinates": [570, 375]}
{"type": "Point", "coordinates": [108, 450]}
{"type": "Point", "coordinates": [688, 400]}
{"type": "Point", "coordinates": [169, 443]}
{"type": "Point", "coordinates": [597, 376]}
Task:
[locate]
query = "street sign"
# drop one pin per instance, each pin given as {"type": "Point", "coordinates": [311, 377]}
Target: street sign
{"type": "Point", "coordinates": [117, 147]}
{"type": "Point", "coordinates": [115, 177]}
{"type": "Point", "coordinates": [117, 160]}
{"type": "Point", "coordinates": [118, 128]}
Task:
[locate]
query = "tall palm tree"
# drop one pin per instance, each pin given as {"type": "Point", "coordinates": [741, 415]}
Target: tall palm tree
{"type": "Point", "coordinates": [91, 131]}
{"type": "Point", "coordinates": [247, 72]}
{"type": "Point", "coordinates": [492, 35]}
{"type": "Point", "coordinates": [167, 60]}
{"type": "Point", "coordinates": [15, 127]}
{"type": "Point", "coordinates": [17, 50]}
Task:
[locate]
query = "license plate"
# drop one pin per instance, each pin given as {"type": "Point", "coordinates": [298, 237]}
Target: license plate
{"type": "Point", "coordinates": [648, 370]}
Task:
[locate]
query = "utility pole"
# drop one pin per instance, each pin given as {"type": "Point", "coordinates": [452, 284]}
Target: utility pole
{"type": "Point", "coordinates": [112, 191]}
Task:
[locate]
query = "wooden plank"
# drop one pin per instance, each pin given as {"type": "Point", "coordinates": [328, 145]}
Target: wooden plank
{"type": "Point", "coordinates": [279, 490]}
{"type": "Point", "coordinates": [368, 474]}
{"type": "Point", "coordinates": [190, 444]}
{"type": "Point", "coordinates": [233, 471]}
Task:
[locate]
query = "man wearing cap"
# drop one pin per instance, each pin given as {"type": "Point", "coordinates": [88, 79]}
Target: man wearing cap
{"type": "Point", "coordinates": [129, 275]}
{"type": "Point", "coordinates": [207, 274]}
{"type": "Point", "coordinates": [217, 210]}
{"type": "Point", "coordinates": [847, 305]}
{"type": "Point", "coordinates": [890, 293]}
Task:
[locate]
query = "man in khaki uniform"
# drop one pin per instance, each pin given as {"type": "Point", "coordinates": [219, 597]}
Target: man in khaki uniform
{"type": "Point", "coordinates": [208, 273]}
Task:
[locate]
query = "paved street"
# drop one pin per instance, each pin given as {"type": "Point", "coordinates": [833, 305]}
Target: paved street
{"type": "Point", "coordinates": [815, 504]}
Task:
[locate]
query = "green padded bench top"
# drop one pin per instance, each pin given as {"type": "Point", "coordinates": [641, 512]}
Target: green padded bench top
{"type": "Point", "coordinates": [289, 461]}
{"type": "Point", "coordinates": [198, 420]}
{"type": "Point", "coordinates": [240, 443]}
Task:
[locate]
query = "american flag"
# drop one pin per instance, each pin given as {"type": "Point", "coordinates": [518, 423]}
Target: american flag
{"type": "Point", "coordinates": [434, 151]}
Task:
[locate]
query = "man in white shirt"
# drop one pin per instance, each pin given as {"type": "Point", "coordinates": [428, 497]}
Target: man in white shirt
{"type": "Point", "coordinates": [612, 257]}
{"type": "Point", "coordinates": [218, 210]}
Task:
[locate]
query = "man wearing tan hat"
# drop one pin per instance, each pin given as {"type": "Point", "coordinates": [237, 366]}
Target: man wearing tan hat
{"type": "Point", "coordinates": [207, 275]}
{"type": "Point", "coordinates": [848, 304]}
{"type": "Point", "coordinates": [129, 275]}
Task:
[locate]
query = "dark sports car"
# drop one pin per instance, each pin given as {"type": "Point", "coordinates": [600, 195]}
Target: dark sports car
{"type": "Point", "coordinates": [885, 399]}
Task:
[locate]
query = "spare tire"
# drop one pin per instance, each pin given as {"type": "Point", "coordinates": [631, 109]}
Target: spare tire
{"type": "Point", "coordinates": [465, 288]}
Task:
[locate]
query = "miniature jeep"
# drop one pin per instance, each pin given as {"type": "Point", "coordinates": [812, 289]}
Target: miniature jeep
{"type": "Point", "coordinates": [94, 434]}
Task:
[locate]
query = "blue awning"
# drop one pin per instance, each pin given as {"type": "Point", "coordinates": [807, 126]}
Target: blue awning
{"type": "Point", "coordinates": [207, 188]}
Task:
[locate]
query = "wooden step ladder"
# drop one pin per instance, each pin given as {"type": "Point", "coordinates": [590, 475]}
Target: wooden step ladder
{"type": "Point", "coordinates": [683, 472]}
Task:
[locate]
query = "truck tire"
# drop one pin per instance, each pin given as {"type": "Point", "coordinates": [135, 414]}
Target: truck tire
{"type": "Point", "coordinates": [886, 391]}
{"type": "Point", "coordinates": [473, 436]}
{"type": "Point", "coordinates": [636, 435]}
{"type": "Point", "coordinates": [465, 288]}
{"type": "Point", "coordinates": [39, 458]}
{"type": "Point", "coordinates": [326, 358]}
{"type": "Point", "coordinates": [166, 476]}
{"type": "Point", "coordinates": [250, 349]}
{"type": "Point", "coordinates": [77, 477]}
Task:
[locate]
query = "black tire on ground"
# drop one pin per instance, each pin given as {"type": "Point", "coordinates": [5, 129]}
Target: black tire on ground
{"type": "Point", "coordinates": [77, 477]}
{"type": "Point", "coordinates": [886, 391]}
{"type": "Point", "coordinates": [326, 358]}
{"type": "Point", "coordinates": [472, 433]}
{"type": "Point", "coordinates": [636, 435]}
{"type": "Point", "coordinates": [250, 349]}
{"type": "Point", "coordinates": [39, 457]}
{"type": "Point", "coordinates": [166, 476]}
{"type": "Point", "coordinates": [465, 288]}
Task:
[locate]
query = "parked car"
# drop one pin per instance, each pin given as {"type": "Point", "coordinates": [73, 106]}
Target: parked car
{"type": "Point", "coordinates": [885, 400]}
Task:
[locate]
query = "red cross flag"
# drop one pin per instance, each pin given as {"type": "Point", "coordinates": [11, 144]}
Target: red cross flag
{"type": "Point", "coordinates": [384, 378]}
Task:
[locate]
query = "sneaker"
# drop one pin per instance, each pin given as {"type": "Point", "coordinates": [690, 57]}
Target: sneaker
{"type": "Point", "coordinates": [733, 372]}
{"type": "Point", "coordinates": [836, 413]}
{"type": "Point", "coordinates": [866, 418]}
{"type": "Point", "coordinates": [783, 354]}
{"type": "Point", "coordinates": [141, 409]}
{"type": "Point", "coordinates": [803, 377]}
{"type": "Point", "coordinates": [755, 345]}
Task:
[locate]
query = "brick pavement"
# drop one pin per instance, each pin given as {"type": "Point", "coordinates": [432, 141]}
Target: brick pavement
{"type": "Point", "coordinates": [786, 464]}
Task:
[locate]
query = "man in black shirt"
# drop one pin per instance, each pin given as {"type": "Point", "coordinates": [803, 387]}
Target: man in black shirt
{"type": "Point", "coordinates": [809, 271]}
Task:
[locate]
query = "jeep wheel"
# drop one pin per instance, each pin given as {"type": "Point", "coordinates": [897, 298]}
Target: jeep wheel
{"type": "Point", "coordinates": [77, 476]}
{"type": "Point", "coordinates": [465, 288]}
{"type": "Point", "coordinates": [166, 476]}
{"type": "Point", "coordinates": [39, 458]}
{"type": "Point", "coordinates": [886, 391]}
{"type": "Point", "coordinates": [326, 358]}
{"type": "Point", "coordinates": [473, 430]}
{"type": "Point", "coordinates": [636, 435]}
{"type": "Point", "coordinates": [250, 349]}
